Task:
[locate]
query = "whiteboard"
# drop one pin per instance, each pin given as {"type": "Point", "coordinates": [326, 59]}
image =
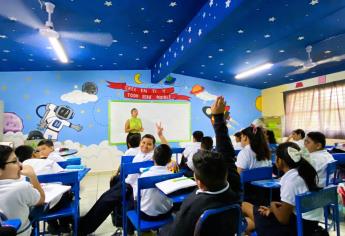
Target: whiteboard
{"type": "Point", "coordinates": [175, 118]}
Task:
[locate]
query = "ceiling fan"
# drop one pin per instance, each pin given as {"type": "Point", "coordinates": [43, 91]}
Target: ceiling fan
{"type": "Point", "coordinates": [17, 11]}
{"type": "Point", "coordinates": [304, 66]}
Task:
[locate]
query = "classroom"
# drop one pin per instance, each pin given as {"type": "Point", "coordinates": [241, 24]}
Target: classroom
{"type": "Point", "coordinates": [172, 117]}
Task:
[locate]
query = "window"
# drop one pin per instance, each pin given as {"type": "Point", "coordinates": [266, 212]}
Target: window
{"type": "Point", "coordinates": [319, 108]}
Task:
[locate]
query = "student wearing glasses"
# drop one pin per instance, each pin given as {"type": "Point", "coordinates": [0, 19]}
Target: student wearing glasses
{"type": "Point", "coordinates": [16, 195]}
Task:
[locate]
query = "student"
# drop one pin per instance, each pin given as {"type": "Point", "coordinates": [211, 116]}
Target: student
{"type": "Point", "coordinates": [216, 178]}
{"type": "Point", "coordinates": [270, 137]}
{"type": "Point", "coordinates": [205, 144]}
{"type": "Point", "coordinates": [315, 143]}
{"type": "Point", "coordinates": [193, 147]}
{"type": "Point", "coordinates": [133, 145]}
{"type": "Point", "coordinates": [297, 136]}
{"type": "Point", "coordinates": [154, 204]}
{"type": "Point", "coordinates": [17, 196]}
{"type": "Point", "coordinates": [237, 145]}
{"type": "Point", "coordinates": [279, 219]}
{"type": "Point", "coordinates": [112, 198]}
{"type": "Point", "coordinates": [255, 152]}
{"type": "Point", "coordinates": [45, 149]}
{"type": "Point", "coordinates": [40, 166]}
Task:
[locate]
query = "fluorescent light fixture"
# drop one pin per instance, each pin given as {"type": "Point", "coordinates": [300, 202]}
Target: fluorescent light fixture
{"type": "Point", "coordinates": [253, 71]}
{"type": "Point", "coordinates": [60, 52]}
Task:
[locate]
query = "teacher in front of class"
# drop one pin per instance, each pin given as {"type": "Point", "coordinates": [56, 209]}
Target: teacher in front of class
{"type": "Point", "coordinates": [133, 125]}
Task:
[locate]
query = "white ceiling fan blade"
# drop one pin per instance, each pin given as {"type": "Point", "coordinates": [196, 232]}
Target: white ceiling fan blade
{"type": "Point", "coordinates": [17, 11]}
{"type": "Point", "coordinates": [299, 71]}
{"type": "Point", "coordinates": [331, 59]}
{"type": "Point", "coordinates": [293, 62]}
{"type": "Point", "coordinates": [102, 39]}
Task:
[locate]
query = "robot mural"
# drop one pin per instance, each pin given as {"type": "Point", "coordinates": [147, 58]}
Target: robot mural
{"type": "Point", "coordinates": [54, 119]}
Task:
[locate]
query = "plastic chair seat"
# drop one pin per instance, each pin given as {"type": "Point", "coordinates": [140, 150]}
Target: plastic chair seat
{"type": "Point", "coordinates": [14, 223]}
{"type": "Point", "coordinates": [147, 225]}
{"type": "Point", "coordinates": [58, 214]}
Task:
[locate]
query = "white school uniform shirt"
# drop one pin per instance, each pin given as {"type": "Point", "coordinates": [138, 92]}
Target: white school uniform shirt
{"type": "Point", "coordinates": [246, 159]}
{"type": "Point", "coordinates": [133, 178]}
{"type": "Point", "coordinates": [55, 156]}
{"type": "Point", "coordinates": [319, 160]}
{"type": "Point", "coordinates": [189, 151]}
{"type": "Point", "coordinates": [43, 166]}
{"type": "Point", "coordinates": [132, 151]}
{"type": "Point", "coordinates": [238, 146]}
{"type": "Point", "coordinates": [293, 184]}
{"type": "Point", "coordinates": [153, 202]}
{"type": "Point", "coordinates": [16, 196]}
{"type": "Point", "coordinates": [300, 143]}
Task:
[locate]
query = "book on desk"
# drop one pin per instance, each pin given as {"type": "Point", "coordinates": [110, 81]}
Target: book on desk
{"type": "Point", "coordinates": [53, 192]}
{"type": "Point", "coordinates": [173, 185]}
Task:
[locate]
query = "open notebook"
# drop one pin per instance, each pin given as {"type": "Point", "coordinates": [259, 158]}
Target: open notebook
{"type": "Point", "coordinates": [54, 192]}
{"type": "Point", "coordinates": [172, 185]}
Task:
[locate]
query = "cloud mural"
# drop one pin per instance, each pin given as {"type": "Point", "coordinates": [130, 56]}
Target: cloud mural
{"type": "Point", "coordinates": [79, 97]}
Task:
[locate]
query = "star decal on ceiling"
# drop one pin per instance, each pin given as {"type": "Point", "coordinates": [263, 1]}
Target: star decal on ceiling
{"type": "Point", "coordinates": [146, 31]}
{"type": "Point", "coordinates": [162, 40]}
{"type": "Point", "coordinates": [11, 18]}
{"type": "Point", "coordinates": [144, 47]}
{"type": "Point", "coordinates": [190, 40]}
{"type": "Point", "coordinates": [2, 36]}
{"type": "Point", "coordinates": [97, 21]}
{"type": "Point", "coordinates": [82, 46]}
{"type": "Point", "coordinates": [6, 51]}
{"type": "Point", "coordinates": [169, 21]}
{"type": "Point", "coordinates": [267, 36]}
{"type": "Point", "coordinates": [182, 47]}
{"type": "Point", "coordinates": [211, 3]}
{"type": "Point", "coordinates": [240, 31]}
{"type": "Point", "coordinates": [189, 29]}
{"type": "Point", "coordinates": [220, 50]}
{"type": "Point", "coordinates": [272, 19]}
{"type": "Point", "coordinates": [248, 51]}
{"type": "Point", "coordinates": [108, 3]}
{"type": "Point", "coordinates": [300, 38]}
{"type": "Point", "coordinates": [281, 50]}
{"type": "Point", "coordinates": [172, 4]}
{"type": "Point", "coordinates": [227, 3]}
{"type": "Point", "coordinates": [199, 32]}
{"type": "Point", "coordinates": [314, 2]}
{"type": "Point", "coordinates": [327, 51]}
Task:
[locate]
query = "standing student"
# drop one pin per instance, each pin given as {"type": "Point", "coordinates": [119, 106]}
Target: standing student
{"type": "Point", "coordinates": [133, 125]}
{"type": "Point", "coordinates": [255, 152]}
{"type": "Point", "coordinates": [16, 195]}
{"type": "Point", "coordinates": [315, 143]}
{"type": "Point", "coordinates": [297, 136]}
{"type": "Point", "coordinates": [45, 149]}
{"type": "Point", "coordinates": [280, 219]}
{"type": "Point", "coordinates": [216, 178]}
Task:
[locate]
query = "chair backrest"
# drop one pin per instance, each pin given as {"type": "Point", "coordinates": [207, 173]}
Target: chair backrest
{"type": "Point", "coordinates": [260, 173]}
{"type": "Point", "coordinates": [177, 150]}
{"type": "Point", "coordinates": [312, 200]}
{"type": "Point", "coordinates": [220, 221]}
{"type": "Point", "coordinates": [126, 159]}
{"type": "Point", "coordinates": [340, 157]}
{"type": "Point", "coordinates": [70, 161]}
{"type": "Point", "coordinates": [331, 173]}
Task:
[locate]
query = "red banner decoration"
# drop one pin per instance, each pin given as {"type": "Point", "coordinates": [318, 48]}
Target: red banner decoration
{"type": "Point", "coordinates": [299, 85]}
{"type": "Point", "coordinates": [148, 93]}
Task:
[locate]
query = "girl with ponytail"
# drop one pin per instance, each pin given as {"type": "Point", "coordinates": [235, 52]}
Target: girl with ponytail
{"type": "Point", "coordinates": [299, 177]}
{"type": "Point", "coordinates": [255, 152]}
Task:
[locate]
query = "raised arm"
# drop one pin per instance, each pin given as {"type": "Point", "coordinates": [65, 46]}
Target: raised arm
{"type": "Point", "coordinates": [160, 134]}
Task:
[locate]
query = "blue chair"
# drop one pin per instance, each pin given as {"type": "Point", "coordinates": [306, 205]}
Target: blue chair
{"type": "Point", "coordinates": [324, 198]}
{"type": "Point", "coordinates": [66, 178]}
{"type": "Point", "coordinates": [70, 161]}
{"type": "Point", "coordinates": [14, 223]}
{"type": "Point", "coordinates": [235, 215]}
{"type": "Point", "coordinates": [340, 157]}
{"type": "Point", "coordinates": [126, 169]}
{"type": "Point", "coordinates": [176, 151]}
{"type": "Point", "coordinates": [331, 173]}
{"type": "Point", "coordinates": [126, 159]}
{"type": "Point", "coordinates": [134, 215]}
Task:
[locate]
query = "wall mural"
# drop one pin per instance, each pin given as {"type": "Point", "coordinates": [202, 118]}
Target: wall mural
{"type": "Point", "coordinates": [12, 122]}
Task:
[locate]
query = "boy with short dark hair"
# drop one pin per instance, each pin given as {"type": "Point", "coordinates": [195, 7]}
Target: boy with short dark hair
{"type": "Point", "coordinates": [206, 143]}
{"type": "Point", "coordinates": [45, 149]}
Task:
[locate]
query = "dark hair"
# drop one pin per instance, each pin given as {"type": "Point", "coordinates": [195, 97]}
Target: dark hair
{"type": "Point", "coordinates": [317, 137]}
{"type": "Point", "coordinates": [46, 142]}
{"type": "Point", "coordinates": [134, 140]}
{"type": "Point", "coordinates": [258, 143]}
{"type": "Point", "coordinates": [207, 143]}
{"type": "Point", "coordinates": [5, 153]}
{"type": "Point", "coordinates": [305, 170]}
{"type": "Point", "coordinates": [197, 135]}
{"type": "Point", "coordinates": [35, 134]}
{"type": "Point", "coordinates": [237, 134]}
{"type": "Point", "coordinates": [210, 169]}
{"type": "Point", "coordinates": [150, 136]}
{"type": "Point", "coordinates": [24, 152]}
{"type": "Point", "coordinates": [133, 109]}
{"type": "Point", "coordinates": [271, 137]}
{"type": "Point", "coordinates": [299, 132]}
{"type": "Point", "coordinates": [162, 155]}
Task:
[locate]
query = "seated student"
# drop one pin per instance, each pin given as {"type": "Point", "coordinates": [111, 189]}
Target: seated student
{"type": "Point", "coordinates": [40, 166]}
{"type": "Point", "coordinates": [297, 136]}
{"type": "Point", "coordinates": [279, 219]}
{"type": "Point", "coordinates": [193, 147]}
{"type": "Point", "coordinates": [133, 144]}
{"type": "Point", "coordinates": [16, 196]}
{"type": "Point", "coordinates": [206, 144]}
{"type": "Point", "coordinates": [45, 149]}
{"type": "Point", "coordinates": [255, 152]}
{"type": "Point", "coordinates": [270, 137]}
{"type": "Point", "coordinates": [237, 144]}
{"type": "Point", "coordinates": [112, 198]}
{"type": "Point", "coordinates": [319, 158]}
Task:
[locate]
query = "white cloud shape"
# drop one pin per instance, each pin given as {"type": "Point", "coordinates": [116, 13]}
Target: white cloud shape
{"type": "Point", "coordinates": [78, 97]}
{"type": "Point", "coordinates": [206, 96]}
{"type": "Point", "coordinates": [17, 138]}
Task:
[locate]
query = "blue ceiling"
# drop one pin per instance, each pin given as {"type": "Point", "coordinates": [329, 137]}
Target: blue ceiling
{"type": "Point", "coordinates": [214, 39]}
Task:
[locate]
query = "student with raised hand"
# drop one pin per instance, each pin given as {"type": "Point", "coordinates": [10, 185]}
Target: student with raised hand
{"type": "Point", "coordinates": [319, 158]}
{"type": "Point", "coordinates": [297, 136]}
{"type": "Point", "coordinates": [280, 219]}
{"type": "Point", "coordinates": [16, 196]}
{"type": "Point", "coordinates": [255, 152]}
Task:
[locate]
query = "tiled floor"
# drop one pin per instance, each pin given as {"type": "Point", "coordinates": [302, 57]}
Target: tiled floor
{"type": "Point", "coordinates": [92, 188]}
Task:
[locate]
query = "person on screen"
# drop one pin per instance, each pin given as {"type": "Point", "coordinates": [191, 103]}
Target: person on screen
{"type": "Point", "coordinates": [133, 125]}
